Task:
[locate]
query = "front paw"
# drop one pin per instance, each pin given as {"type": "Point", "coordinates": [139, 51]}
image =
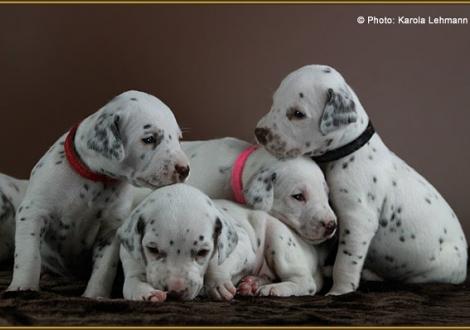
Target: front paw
{"type": "Point", "coordinates": [276, 290]}
{"type": "Point", "coordinates": [248, 286]}
{"type": "Point", "coordinates": [19, 287]}
{"type": "Point", "coordinates": [94, 293]}
{"type": "Point", "coordinates": [155, 296]}
{"type": "Point", "coordinates": [222, 291]}
{"type": "Point", "coordinates": [340, 290]}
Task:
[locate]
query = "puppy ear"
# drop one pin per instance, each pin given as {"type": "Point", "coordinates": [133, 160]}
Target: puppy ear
{"type": "Point", "coordinates": [340, 110]}
{"type": "Point", "coordinates": [259, 192]}
{"type": "Point", "coordinates": [131, 234]}
{"type": "Point", "coordinates": [105, 137]}
{"type": "Point", "coordinates": [225, 237]}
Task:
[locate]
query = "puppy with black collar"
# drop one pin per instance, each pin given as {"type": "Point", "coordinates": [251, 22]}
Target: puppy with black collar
{"type": "Point", "coordinates": [391, 219]}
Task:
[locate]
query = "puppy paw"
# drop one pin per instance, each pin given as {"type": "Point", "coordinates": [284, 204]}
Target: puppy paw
{"type": "Point", "coordinates": [275, 290]}
{"type": "Point", "coordinates": [222, 291]}
{"type": "Point", "coordinates": [338, 291]}
{"type": "Point", "coordinates": [155, 296]}
{"type": "Point", "coordinates": [94, 293]}
{"type": "Point", "coordinates": [266, 290]}
{"type": "Point", "coordinates": [15, 287]}
{"type": "Point", "coordinates": [248, 286]}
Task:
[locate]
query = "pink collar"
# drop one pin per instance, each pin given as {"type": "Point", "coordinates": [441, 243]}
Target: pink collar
{"type": "Point", "coordinates": [237, 172]}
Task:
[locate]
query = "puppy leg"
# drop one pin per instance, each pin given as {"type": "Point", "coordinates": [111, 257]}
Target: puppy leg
{"type": "Point", "coordinates": [292, 261]}
{"type": "Point", "coordinates": [30, 229]}
{"type": "Point", "coordinates": [135, 287]}
{"type": "Point", "coordinates": [357, 228]}
{"type": "Point", "coordinates": [218, 280]}
{"type": "Point", "coordinates": [105, 262]}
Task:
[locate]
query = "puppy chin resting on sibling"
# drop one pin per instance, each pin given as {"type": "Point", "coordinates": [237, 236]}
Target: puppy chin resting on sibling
{"type": "Point", "coordinates": [178, 241]}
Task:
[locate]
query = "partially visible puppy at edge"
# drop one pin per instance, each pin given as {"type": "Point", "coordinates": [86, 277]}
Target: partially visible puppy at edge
{"type": "Point", "coordinates": [12, 192]}
{"type": "Point", "coordinates": [391, 219]}
{"type": "Point", "coordinates": [178, 241]}
{"type": "Point", "coordinates": [79, 192]}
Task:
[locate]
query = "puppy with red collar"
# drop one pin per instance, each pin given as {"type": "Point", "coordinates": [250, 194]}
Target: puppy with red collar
{"type": "Point", "coordinates": [78, 194]}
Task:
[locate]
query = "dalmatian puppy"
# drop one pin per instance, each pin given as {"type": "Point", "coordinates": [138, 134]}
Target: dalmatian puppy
{"type": "Point", "coordinates": [12, 192]}
{"type": "Point", "coordinates": [294, 191]}
{"type": "Point", "coordinates": [387, 211]}
{"type": "Point", "coordinates": [269, 260]}
{"type": "Point", "coordinates": [178, 241]}
{"type": "Point", "coordinates": [79, 192]}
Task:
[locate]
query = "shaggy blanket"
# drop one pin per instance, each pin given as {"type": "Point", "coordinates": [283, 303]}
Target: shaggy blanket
{"type": "Point", "coordinates": [375, 303]}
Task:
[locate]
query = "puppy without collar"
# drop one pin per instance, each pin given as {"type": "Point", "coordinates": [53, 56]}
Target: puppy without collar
{"type": "Point", "coordinates": [389, 215]}
{"type": "Point", "coordinates": [78, 194]}
{"type": "Point", "coordinates": [294, 191]}
{"type": "Point", "coordinates": [270, 259]}
{"type": "Point", "coordinates": [178, 240]}
{"type": "Point", "coordinates": [12, 192]}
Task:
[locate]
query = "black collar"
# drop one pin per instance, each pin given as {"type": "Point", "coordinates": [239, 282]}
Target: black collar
{"type": "Point", "coordinates": [347, 149]}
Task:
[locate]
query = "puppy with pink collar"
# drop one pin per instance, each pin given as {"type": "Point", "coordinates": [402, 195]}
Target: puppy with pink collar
{"type": "Point", "coordinates": [294, 191]}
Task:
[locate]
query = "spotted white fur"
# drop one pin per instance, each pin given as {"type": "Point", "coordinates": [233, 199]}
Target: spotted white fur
{"type": "Point", "coordinates": [12, 192]}
{"type": "Point", "coordinates": [178, 240]}
{"type": "Point", "coordinates": [390, 217]}
{"type": "Point", "coordinates": [66, 222]}
{"type": "Point", "coordinates": [269, 184]}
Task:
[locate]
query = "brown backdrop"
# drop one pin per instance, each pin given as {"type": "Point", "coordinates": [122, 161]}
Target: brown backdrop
{"type": "Point", "coordinates": [217, 66]}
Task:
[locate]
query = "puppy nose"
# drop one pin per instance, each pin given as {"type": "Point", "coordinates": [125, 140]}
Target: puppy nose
{"type": "Point", "coordinates": [183, 171]}
{"type": "Point", "coordinates": [330, 228]}
{"type": "Point", "coordinates": [262, 135]}
{"type": "Point", "coordinates": [176, 285]}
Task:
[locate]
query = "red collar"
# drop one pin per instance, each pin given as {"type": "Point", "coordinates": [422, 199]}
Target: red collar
{"type": "Point", "coordinates": [78, 165]}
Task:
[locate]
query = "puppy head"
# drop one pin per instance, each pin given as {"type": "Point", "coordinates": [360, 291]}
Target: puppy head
{"type": "Point", "coordinates": [134, 137]}
{"type": "Point", "coordinates": [311, 109]}
{"type": "Point", "coordinates": [174, 233]}
{"type": "Point", "coordinates": [295, 192]}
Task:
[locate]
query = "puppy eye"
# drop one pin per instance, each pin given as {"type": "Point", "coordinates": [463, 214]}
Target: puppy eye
{"type": "Point", "coordinates": [295, 113]}
{"type": "Point", "coordinates": [149, 140]}
{"type": "Point", "coordinates": [153, 250]}
{"type": "Point", "coordinates": [299, 114]}
{"type": "Point", "coordinates": [202, 253]}
{"type": "Point", "coordinates": [299, 197]}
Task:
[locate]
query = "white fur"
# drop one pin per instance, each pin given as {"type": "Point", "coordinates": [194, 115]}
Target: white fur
{"type": "Point", "coordinates": [163, 239]}
{"type": "Point", "coordinates": [12, 192]}
{"type": "Point", "coordinates": [387, 211]}
{"type": "Point", "coordinates": [65, 219]}
{"type": "Point", "coordinates": [269, 184]}
{"type": "Point", "coordinates": [270, 259]}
